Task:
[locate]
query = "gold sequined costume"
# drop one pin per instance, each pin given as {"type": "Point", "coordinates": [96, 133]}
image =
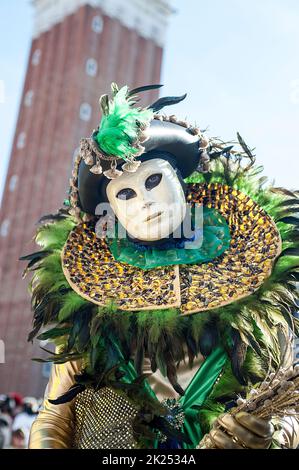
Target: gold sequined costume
{"type": "Point", "coordinates": [202, 330]}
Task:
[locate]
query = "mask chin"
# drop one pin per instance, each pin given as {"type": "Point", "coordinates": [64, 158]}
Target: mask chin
{"type": "Point", "coordinates": [172, 236]}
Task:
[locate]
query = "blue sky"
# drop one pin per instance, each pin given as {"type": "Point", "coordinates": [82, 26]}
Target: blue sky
{"type": "Point", "coordinates": [237, 59]}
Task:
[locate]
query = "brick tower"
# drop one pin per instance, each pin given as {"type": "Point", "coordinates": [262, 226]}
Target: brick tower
{"type": "Point", "coordinates": [79, 47]}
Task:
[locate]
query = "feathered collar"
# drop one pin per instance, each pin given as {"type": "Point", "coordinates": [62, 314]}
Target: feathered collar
{"type": "Point", "coordinates": [245, 327]}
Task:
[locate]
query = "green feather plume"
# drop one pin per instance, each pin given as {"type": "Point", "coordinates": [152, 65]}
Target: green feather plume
{"type": "Point", "coordinates": [121, 125]}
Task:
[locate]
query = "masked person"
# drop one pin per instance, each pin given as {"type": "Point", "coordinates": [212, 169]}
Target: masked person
{"type": "Point", "coordinates": [166, 283]}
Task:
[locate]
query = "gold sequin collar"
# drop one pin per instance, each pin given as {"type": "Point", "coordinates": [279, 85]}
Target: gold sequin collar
{"type": "Point", "coordinates": [255, 243]}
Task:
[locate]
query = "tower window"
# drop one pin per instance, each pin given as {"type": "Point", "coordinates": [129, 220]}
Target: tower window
{"type": "Point", "coordinates": [97, 24]}
{"type": "Point", "coordinates": [4, 228]}
{"type": "Point", "coordinates": [13, 182]}
{"type": "Point", "coordinates": [36, 57]}
{"type": "Point", "coordinates": [85, 111]}
{"type": "Point", "coordinates": [91, 67]}
{"type": "Point", "coordinates": [28, 98]}
{"type": "Point", "coordinates": [21, 140]}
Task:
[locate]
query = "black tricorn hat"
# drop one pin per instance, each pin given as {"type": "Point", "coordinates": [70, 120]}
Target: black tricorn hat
{"type": "Point", "coordinates": [166, 138]}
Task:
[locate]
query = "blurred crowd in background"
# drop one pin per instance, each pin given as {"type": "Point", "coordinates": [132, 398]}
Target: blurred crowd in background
{"type": "Point", "coordinates": [17, 414]}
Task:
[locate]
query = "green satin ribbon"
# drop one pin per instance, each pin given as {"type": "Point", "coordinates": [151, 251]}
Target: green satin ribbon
{"type": "Point", "coordinates": [196, 393]}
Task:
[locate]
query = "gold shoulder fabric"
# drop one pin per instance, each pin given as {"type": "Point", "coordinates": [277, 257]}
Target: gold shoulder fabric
{"type": "Point", "coordinates": [255, 243]}
{"type": "Point", "coordinates": [54, 426]}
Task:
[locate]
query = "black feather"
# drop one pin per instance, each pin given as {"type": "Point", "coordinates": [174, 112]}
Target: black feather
{"type": "Point", "coordinates": [152, 356]}
{"type": "Point", "coordinates": [289, 202]}
{"type": "Point", "coordinates": [172, 377]}
{"type": "Point", "coordinates": [225, 151]}
{"type": "Point", "coordinates": [166, 101]}
{"type": "Point", "coordinates": [283, 191]}
{"type": "Point", "coordinates": [69, 395]}
{"type": "Point", "coordinates": [209, 338]}
{"type": "Point", "coordinates": [290, 252]}
{"type": "Point", "coordinates": [139, 356]}
{"type": "Point", "coordinates": [294, 276]}
{"type": "Point", "coordinates": [34, 332]}
{"type": "Point", "coordinates": [191, 347]}
{"type": "Point", "coordinates": [84, 335]}
{"type": "Point", "coordinates": [35, 256]}
{"type": "Point", "coordinates": [143, 88]}
{"type": "Point", "coordinates": [53, 333]}
{"type": "Point", "coordinates": [245, 147]}
{"type": "Point", "coordinates": [289, 220]}
{"type": "Point", "coordinates": [62, 214]}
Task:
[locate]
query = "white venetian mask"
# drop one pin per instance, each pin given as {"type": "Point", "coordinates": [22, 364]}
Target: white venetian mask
{"type": "Point", "coordinates": [149, 203]}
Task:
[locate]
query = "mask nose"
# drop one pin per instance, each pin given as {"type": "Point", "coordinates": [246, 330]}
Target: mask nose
{"type": "Point", "coordinates": [148, 204]}
{"type": "Point", "coordinates": [147, 199]}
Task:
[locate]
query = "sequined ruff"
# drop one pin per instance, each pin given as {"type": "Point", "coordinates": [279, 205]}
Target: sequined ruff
{"type": "Point", "coordinates": [255, 243]}
{"type": "Point", "coordinates": [92, 272]}
{"type": "Point", "coordinates": [103, 420]}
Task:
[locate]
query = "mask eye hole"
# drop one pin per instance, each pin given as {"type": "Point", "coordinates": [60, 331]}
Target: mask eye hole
{"type": "Point", "coordinates": [152, 181]}
{"type": "Point", "coordinates": [126, 193]}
